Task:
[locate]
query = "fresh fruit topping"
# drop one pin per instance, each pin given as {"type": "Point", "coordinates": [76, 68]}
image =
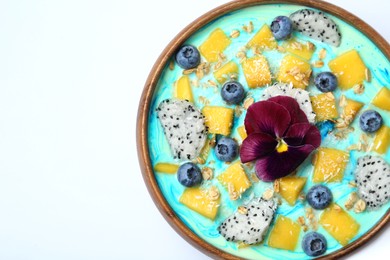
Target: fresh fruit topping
{"type": "Point", "coordinates": [284, 234]}
{"type": "Point", "coordinates": [235, 180]}
{"type": "Point", "coordinates": [314, 244]}
{"type": "Point", "coordinates": [166, 167]}
{"type": "Point", "coordinates": [350, 109]}
{"type": "Point", "coordinates": [349, 69]}
{"type": "Point", "coordinates": [339, 224]}
{"type": "Point", "coordinates": [204, 201]}
{"type": "Point", "coordinates": [290, 187]}
{"type": "Point", "coordinates": [382, 140]}
{"type": "Point", "coordinates": [324, 106]}
{"type": "Point", "coordinates": [329, 165]}
{"type": "Point", "coordinates": [316, 25]}
{"type": "Point", "coordinates": [214, 45]}
{"type": "Point", "coordinates": [241, 131]}
{"type": "Point", "coordinates": [232, 92]}
{"type": "Point", "coordinates": [279, 138]}
{"type": "Point", "coordinates": [183, 89]}
{"type": "Point", "coordinates": [219, 120]}
{"type": "Point", "coordinates": [381, 99]}
{"type": "Point", "coordinates": [188, 57]}
{"type": "Point", "coordinates": [250, 223]}
{"type": "Point", "coordinates": [281, 27]}
{"type": "Point", "coordinates": [294, 70]}
{"type": "Point", "coordinates": [300, 95]}
{"type": "Point", "coordinates": [189, 174]}
{"type": "Point", "coordinates": [325, 128]}
{"type": "Point", "coordinates": [263, 39]}
{"type": "Point", "coordinates": [225, 72]}
{"type": "Point", "coordinates": [226, 149]}
{"type": "Point", "coordinates": [370, 121]}
{"type": "Point", "coordinates": [184, 127]}
{"type": "Point", "coordinates": [373, 180]}
{"type": "Point", "coordinates": [326, 81]}
{"type": "Point", "coordinates": [256, 71]}
{"type": "Point", "coordinates": [304, 50]}
{"type": "Point", "coordinates": [319, 197]}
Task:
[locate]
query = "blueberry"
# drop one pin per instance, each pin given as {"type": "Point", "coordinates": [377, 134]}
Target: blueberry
{"type": "Point", "coordinates": [189, 174]}
{"type": "Point", "coordinates": [188, 57]}
{"type": "Point", "coordinates": [370, 121]}
{"type": "Point", "coordinates": [226, 149]}
{"type": "Point", "coordinates": [281, 27]}
{"type": "Point", "coordinates": [326, 81]}
{"type": "Point", "coordinates": [319, 196]}
{"type": "Point", "coordinates": [232, 92]}
{"type": "Point", "coordinates": [314, 244]}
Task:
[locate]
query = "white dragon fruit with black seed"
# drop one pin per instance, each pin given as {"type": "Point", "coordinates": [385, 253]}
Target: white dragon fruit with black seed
{"type": "Point", "coordinates": [316, 25]}
{"type": "Point", "coordinates": [300, 95]}
{"type": "Point", "coordinates": [249, 224]}
{"type": "Point", "coordinates": [372, 176]}
{"type": "Point", "coordinates": [184, 127]}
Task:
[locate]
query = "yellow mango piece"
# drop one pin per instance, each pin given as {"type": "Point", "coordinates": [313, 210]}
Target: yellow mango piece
{"type": "Point", "coordinates": [349, 69]}
{"type": "Point", "coordinates": [285, 234]}
{"type": "Point", "coordinates": [339, 224]}
{"type": "Point", "coordinates": [351, 109]}
{"type": "Point", "coordinates": [198, 200]}
{"type": "Point", "coordinates": [215, 44]}
{"type": "Point", "coordinates": [224, 73]}
{"type": "Point", "coordinates": [263, 39]}
{"type": "Point", "coordinates": [382, 140]}
{"type": "Point", "coordinates": [183, 89]}
{"type": "Point", "coordinates": [290, 187]}
{"type": "Point", "coordinates": [166, 167]}
{"type": "Point", "coordinates": [382, 99]}
{"type": "Point", "coordinates": [219, 120]}
{"type": "Point", "coordinates": [324, 105]}
{"type": "Point", "coordinates": [329, 165]}
{"type": "Point", "coordinates": [294, 70]}
{"type": "Point", "coordinates": [236, 176]}
{"type": "Point", "coordinates": [256, 71]}
{"type": "Point", "coordinates": [242, 132]}
{"type": "Point", "coordinates": [303, 50]}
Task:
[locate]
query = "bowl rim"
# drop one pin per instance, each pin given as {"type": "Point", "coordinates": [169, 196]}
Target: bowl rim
{"type": "Point", "coordinates": [150, 86]}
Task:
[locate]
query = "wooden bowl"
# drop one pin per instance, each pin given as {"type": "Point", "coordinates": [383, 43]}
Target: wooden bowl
{"type": "Point", "coordinates": [150, 86]}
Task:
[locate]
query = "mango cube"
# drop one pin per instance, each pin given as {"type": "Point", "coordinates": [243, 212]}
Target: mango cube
{"type": "Point", "coordinates": [329, 165]}
{"type": "Point", "coordinates": [263, 39]}
{"type": "Point", "coordinates": [242, 132]}
{"type": "Point", "coordinates": [324, 105]}
{"type": "Point", "coordinates": [223, 74]}
{"type": "Point", "coordinates": [382, 140]}
{"type": "Point", "coordinates": [215, 44]}
{"type": "Point", "coordinates": [204, 153]}
{"type": "Point", "coordinates": [294, 70]}
{"type": "Point", "coordinates": [339, 224]}
{"type": "Point", "coordinates": [219, 120]}
{"type": "Point", "coordinates": [166, 167]}
{"type": "Point", "coordinates": [290, 187]}
{"type": "Point", "coordinates": [303, 50]}
{"type": "Point", "coordinates": [351, 109]}
{"type": "Point", "coordinates": [285, 234]}
{"type": "Point", "coordinates": [236, 177]}
{"type": "Point", "coordinates": [198, 200]}
{"type": "Point", "coordinates": [256, 71]}
{"type": "Point", "coordinates": [349, 69]}
{"type": "Point", "coordinates": [382, 99]}
{"type": "Point", "coordinates": [183, 89]}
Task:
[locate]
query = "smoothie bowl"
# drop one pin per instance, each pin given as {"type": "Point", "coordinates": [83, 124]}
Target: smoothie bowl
{"type": "Point", "coordinates": [264, 131]}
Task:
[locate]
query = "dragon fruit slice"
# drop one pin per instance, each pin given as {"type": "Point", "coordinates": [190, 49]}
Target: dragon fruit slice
{"type": "Point", "coordinates": [300, 95]}
{"type": "Point", "coordinates": [316, 25]}
{"type": "Point", "coordinates": [373, 180]}
{"type": "Point", "coordinates": [184, 127]}
{"type": "Point", "coordinates": [250, 223]}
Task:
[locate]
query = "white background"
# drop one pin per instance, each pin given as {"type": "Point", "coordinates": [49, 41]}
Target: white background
{"type": "Point", "coordinates": [71, 74]}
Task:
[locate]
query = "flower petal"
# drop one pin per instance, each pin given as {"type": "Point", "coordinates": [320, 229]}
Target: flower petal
{"type": "Point", "coordinates": [267, 117]}
{"type": "Point", "coordinates": [277, 165]}
{"type": "Point", "coordinates": [301, 134]}
{"type": "Point", "coordinates": [292, 106]}
{"type": "Point", "coordinates": [256, 145]}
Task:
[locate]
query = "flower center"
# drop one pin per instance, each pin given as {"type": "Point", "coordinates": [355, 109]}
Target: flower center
{"type": "Point", "coordinates": [282, 146]}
